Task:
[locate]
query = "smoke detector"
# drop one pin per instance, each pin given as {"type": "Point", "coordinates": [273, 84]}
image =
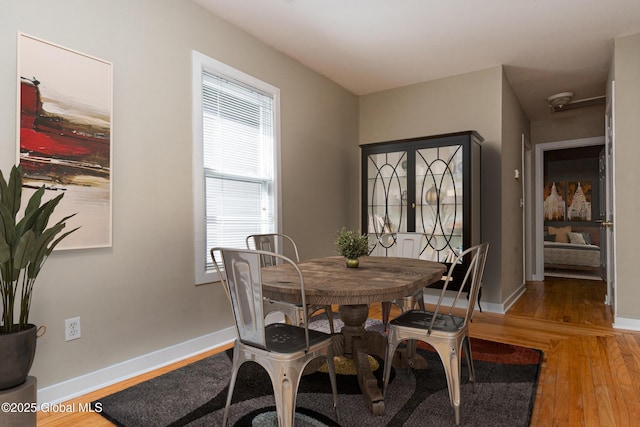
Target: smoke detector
{"type": "Point", "coordinates": [560, 99]}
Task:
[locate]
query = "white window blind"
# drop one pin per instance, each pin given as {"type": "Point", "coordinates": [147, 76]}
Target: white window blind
{"type": "Point", "coordinates": [238, 157]}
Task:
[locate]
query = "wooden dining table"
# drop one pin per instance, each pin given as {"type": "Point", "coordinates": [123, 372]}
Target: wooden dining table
{"type": "Point", "coordinates": [328, 281]}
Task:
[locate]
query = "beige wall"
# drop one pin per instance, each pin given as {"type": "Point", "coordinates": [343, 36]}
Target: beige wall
{"type": "Point", "coordinates": [139, 295]}
{"type": "Point", "coordinates": [466, 102]}
{"type": "Point", "coordinates": [514, 125]}
{"type": "Point", "coordinates": [569, 125]}
{"type": "Point", "coordinates": [627, 173]}
{"type": "Point", "coordinates": [471, 101]}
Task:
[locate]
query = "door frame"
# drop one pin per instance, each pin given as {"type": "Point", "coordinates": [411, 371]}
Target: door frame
{"type": "Point", "coordinates": [536, 273]}
{"type": "Point", "coordinates": [609, 230]}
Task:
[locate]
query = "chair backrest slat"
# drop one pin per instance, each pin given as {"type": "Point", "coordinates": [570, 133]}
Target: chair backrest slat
{"type": "Point", "coordinates": [477, 256]}
{"type": "Point", "coordinates": [272, 242]}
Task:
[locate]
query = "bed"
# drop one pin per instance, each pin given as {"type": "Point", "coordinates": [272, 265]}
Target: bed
{"type": "Point", "coordinates": [572, 248]}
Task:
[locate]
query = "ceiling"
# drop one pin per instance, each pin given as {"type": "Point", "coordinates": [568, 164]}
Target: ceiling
{"type": "Point", "coordinates": [366, 46]}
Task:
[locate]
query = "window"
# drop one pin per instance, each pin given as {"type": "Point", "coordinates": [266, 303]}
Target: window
{"type": "Point", "coordinates": [235, 159]}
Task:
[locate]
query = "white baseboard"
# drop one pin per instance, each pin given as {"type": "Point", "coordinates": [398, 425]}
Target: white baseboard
{"type": "Point", "coordinates": [87, 383]}
{"type": "Point", "coordinates": [492, 307]}
{"type": "Point", "coordinates": [539, 277]}
{"type": "Point", "coordinates": [624, 323]}
{"type": "Point", "coordinates": [515, 295]}
{"type": "Point", "coordinates": [431, 297]}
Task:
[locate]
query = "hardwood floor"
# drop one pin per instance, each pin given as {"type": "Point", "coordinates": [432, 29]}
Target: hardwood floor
{"type": "Point", "coordinates": [590, 375]}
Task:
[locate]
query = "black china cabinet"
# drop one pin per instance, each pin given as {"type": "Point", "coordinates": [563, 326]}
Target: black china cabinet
{"type": "Point", "coordinates": [429, 185]}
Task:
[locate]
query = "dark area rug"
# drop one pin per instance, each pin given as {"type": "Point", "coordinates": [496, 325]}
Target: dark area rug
{"type": "Point", "coordinates": [506, 379]}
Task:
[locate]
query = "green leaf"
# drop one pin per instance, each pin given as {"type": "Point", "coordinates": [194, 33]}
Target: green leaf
{"type": "Point", "coordinates": [14, 190]}
{"type": "Point", "coordinates": [4, 190]}
{"type": "Point", "coordinates": [5, 250]}
{"type": "Point", "coordinates": [31, 212]}
{"type": "Point", "coordinates": [34, 201]}
{"type": "Point", "coordinates": [40, 249]}
{"type": "Point", "coordinates": [7, 224]}
{"type": "Point", "coordinates": [32, 209]}
{"type": "Point", "coordinates": [24, 250]}
{"type": "Point", "coordinates": [63, 220]}
{"type": "Point", "coordinates": [44, 213]}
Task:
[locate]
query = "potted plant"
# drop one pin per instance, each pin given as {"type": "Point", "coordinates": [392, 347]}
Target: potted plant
{"type": "Point", "coordinates": [25, 245]}
{"type": "Point", "coordinates": [352, 245]}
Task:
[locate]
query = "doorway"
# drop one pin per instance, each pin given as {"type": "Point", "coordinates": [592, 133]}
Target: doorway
{"type": "Point", "coordinates": [536, 270]}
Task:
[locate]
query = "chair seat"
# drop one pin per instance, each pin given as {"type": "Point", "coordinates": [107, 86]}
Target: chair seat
{"type": "Point", "coordinates": [422, 319]}
{"type": "Point", "coordinates": [284, 338]}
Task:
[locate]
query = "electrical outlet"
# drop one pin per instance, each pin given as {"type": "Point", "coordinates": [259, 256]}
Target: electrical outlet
{"type": "Point", "coordinates": [72, 329]}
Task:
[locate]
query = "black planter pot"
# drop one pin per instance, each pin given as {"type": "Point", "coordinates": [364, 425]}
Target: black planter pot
{"type": "Point", "coordinates": [17, 350]}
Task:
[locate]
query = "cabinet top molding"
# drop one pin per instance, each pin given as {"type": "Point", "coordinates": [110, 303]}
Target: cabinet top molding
{"type": "Point", "coordinates": [475, 134]}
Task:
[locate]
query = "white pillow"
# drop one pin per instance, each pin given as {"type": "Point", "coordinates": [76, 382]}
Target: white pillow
{"type": "Point", "coordinates": [576, 238]}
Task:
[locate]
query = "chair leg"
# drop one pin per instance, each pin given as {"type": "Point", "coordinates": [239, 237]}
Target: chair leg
{"type": "Point", "coordinates": [467, 352]}
{"type": "Point", "coordinates": [232, 384]}
{"type": "Point", "coordinates": [386, 312]}
{"type": "Point", "coordinates": [408, 303]}
{"type": "Point", "coordinates": [313, 308]}
{"type": "Point", "coordinates": [334, 387]}
{"type": "Point", "coordinates": [451, 361]}
{"type": "Point", "coordinates": [419, 297]}
{"type": "Point", "coordinates": [285, 390]}
{"type": "Point", "coordinates": [329, 312]}
{"type": "Point", "coordinates": [388, 361]}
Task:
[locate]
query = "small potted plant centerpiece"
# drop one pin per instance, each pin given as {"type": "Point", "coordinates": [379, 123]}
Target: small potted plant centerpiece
{"type": "Point", "coordinates": [25, 245]}
{"type": "Point", "coordinates": [352, 245]}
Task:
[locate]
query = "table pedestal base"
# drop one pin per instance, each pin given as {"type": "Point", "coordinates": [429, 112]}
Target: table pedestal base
{"type": "Point", "coordinates": [357, 343]}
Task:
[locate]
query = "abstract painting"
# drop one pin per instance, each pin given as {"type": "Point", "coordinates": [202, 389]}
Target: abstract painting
{"type": "Point", "coordinates": [65, 101]}
{"type": "Point", "coordinates": [579, 201]}
{"type": "Point", "coordinates": [554, 201]}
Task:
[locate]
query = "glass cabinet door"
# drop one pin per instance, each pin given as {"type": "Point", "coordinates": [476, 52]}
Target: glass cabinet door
{"type": "Point", "coordinates": [386, 198]}
{"type": "Point", "coordinates": [439, 200]}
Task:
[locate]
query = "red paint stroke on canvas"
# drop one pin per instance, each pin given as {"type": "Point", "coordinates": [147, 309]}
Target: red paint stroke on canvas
{"type": "Point", "coordinates": [56, 147]}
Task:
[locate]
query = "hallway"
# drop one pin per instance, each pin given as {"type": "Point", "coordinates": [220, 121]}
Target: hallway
{"type": "Point", "coordinates": [565, 300]}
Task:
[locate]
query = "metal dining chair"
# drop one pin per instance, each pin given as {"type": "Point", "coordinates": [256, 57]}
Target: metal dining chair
{"type": "Point", "coordinates": [274, 242]}
{"type": "Point", "coordinates": [445, 331]}
{"type": "Point", "coordinates": [408, 245]}
{"type": "Point", "coordinates": [283, 350]}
